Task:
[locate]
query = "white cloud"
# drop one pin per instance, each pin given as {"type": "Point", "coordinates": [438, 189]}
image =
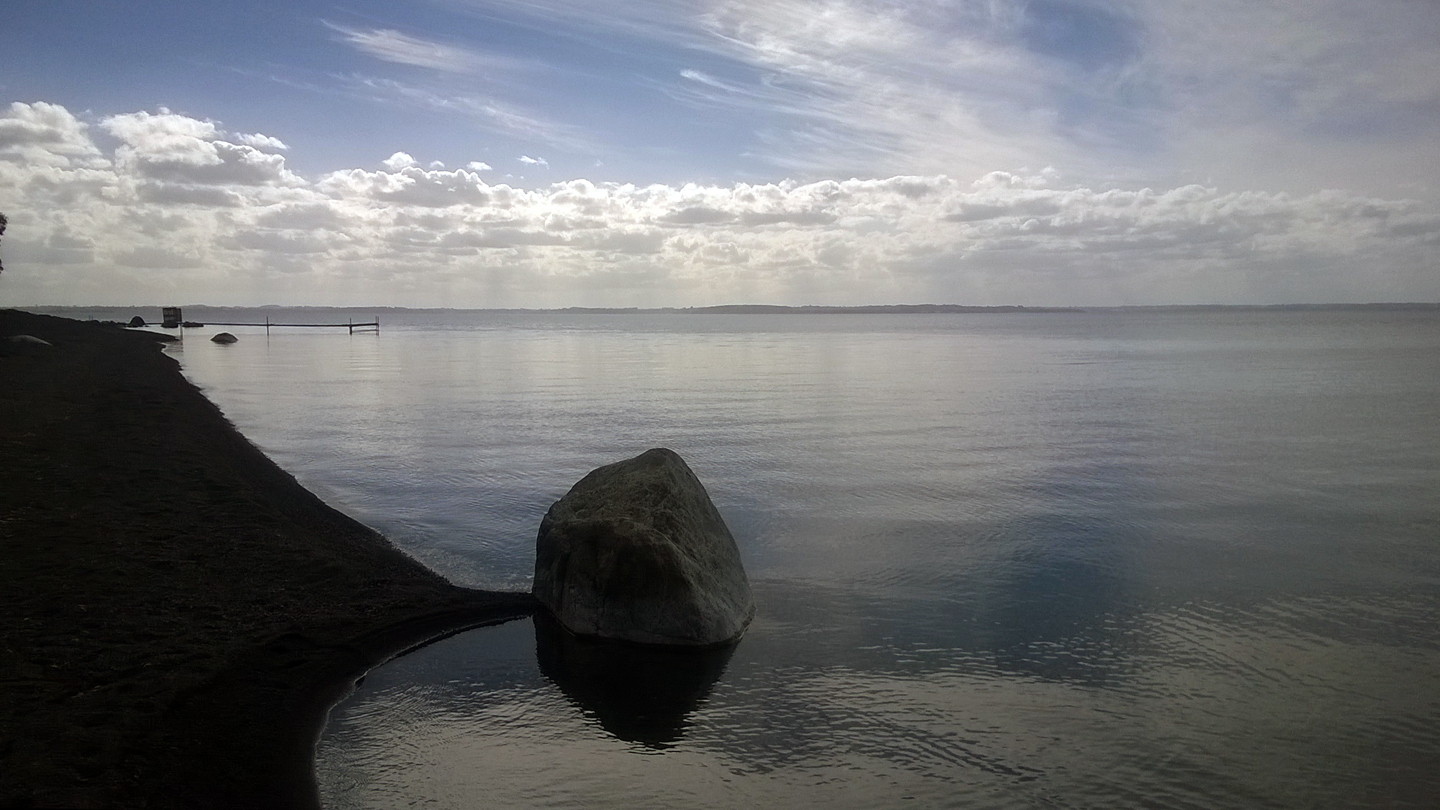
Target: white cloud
{"type": "Point", "coordinates": [530, 161]}
{"type": "Point", "coordinates": [158, 258]}
{"type": "Point", "coordinates": [165, 136]}
{"type": "Point", "coordinates": [52, 251]}
{"type": "Point", "coordinates": [281, 241]}
{"type": "Point", "coordinates": [478, 166]}
{"type": "Point", "coordinates": [260, 141]}
{"type": "Point", "coordinates": [181, 211]}
{"type": "Point", "coordinates": [45, 133]}
{"type": "Point", "coordinates": [409, 185]}
{"type": "Point", "coordinates": [186, 194]}
{"type": "Point", "coordinates": [171, 148]}
{"type": "Point", "coordinates": [398, 161]}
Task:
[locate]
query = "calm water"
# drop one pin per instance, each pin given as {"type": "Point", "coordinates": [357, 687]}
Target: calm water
{"type": "Point", "coordinates": [1113, 559]}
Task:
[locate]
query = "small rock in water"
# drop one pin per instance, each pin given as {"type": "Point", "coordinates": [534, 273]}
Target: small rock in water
{"type": "Point", "coordinates": [223, 337]}
{"type": "Point", "coordinates": [636, 551]}
{"type": "Point", "coordinates": [137, 322]}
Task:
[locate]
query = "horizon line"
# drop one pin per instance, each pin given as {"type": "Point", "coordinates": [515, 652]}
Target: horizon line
{"type": "Point", "coordinates": [779, 309]}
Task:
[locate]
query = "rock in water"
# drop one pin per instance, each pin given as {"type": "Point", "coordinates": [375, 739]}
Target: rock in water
{"type": "Point", "coordinates": [637, 552]}
{"type": "Point", "coordinates": [223, 337]}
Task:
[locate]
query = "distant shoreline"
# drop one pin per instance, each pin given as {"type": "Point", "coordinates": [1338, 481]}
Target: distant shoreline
{"type": "Point", "coordinates": [770, 309]}
{"type": "Point", "coordinates": [775, 309]}
{"type": "Point", "coordinates": [960, 309]}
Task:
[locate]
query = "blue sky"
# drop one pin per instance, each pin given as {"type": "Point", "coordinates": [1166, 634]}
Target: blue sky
{"type": "Point", "coordinates": [351, 84]}
{"type": "Point", "coordinates": [546, 153]}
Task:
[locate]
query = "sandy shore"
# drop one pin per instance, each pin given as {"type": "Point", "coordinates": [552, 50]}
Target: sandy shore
{"type": "Point", "coordinates": [176, 612]}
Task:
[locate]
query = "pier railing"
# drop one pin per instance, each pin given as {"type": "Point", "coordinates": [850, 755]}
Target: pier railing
{"type": "Point", "coordinates": [371, 326]}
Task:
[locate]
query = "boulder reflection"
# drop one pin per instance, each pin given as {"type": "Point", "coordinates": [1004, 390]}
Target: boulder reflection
{"type": "Point", "coordinates": [638, 693]}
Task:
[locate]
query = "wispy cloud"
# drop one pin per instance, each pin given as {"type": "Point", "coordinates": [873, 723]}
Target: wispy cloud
{"type": "Point", "coordinates": [766, 93]}
{"type": "Point", "coordinates": [393, 46]}
{"type": "Point", "coordinates": [617, 24]}
{"type": "Point", "coordinates": [1145, 89]}
{"type": "Point", "coordinates": [1303, 95]}
{"type": "Point", "coordinates": [484, 112]}
{"type": "Point", "coordinates": [892, 86]}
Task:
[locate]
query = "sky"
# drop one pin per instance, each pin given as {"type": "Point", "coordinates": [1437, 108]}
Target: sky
{"type": "Point", "coordinates": [539, 153]}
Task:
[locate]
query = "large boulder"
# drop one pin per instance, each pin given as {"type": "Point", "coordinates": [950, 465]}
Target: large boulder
{"type": "Point", "coordinates": [637, 552]}
{"type": "Point", "coordinates": [223, 337]}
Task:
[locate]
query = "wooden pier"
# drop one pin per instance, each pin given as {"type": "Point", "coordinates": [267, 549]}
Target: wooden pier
{"type": "Point", "coordinates": [370, 326]}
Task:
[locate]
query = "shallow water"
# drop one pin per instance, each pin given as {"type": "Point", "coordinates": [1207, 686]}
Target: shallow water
{"type": "Point", "coordinates": [1110, 559]}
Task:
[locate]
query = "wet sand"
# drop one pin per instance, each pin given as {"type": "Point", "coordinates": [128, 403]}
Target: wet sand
{"type": "Point", "coordinates": [176, 612]}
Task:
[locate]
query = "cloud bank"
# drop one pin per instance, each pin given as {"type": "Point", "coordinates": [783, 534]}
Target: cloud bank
{"type": "Point", "coordinates": [180, 210]}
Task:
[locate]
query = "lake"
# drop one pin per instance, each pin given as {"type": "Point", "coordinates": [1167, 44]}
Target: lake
{"type": "Point", "coordinates": [1120, 558]}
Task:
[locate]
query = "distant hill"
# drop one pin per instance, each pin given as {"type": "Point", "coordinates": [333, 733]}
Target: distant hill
{"type": "Point", "coordinates": [769, 309]}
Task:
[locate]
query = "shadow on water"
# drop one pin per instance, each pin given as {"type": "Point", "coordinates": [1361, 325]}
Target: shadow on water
{"type": "Point", "coordinates": [637, 693]}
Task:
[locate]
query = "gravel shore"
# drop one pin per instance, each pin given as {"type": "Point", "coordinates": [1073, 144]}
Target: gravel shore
{"type": "Point", "coordinates": [176, 612]}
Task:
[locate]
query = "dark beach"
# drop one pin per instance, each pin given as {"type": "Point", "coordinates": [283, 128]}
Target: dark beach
{"type": "Point", "coordinates": [176, 612]}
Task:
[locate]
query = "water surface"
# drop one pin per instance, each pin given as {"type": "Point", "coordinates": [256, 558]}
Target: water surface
{"type": "Point", "coordinates": [1108, 559]}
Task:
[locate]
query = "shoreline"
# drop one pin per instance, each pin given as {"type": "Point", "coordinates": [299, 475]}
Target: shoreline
{"type": "Point", "coordinates": [177, 614]}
